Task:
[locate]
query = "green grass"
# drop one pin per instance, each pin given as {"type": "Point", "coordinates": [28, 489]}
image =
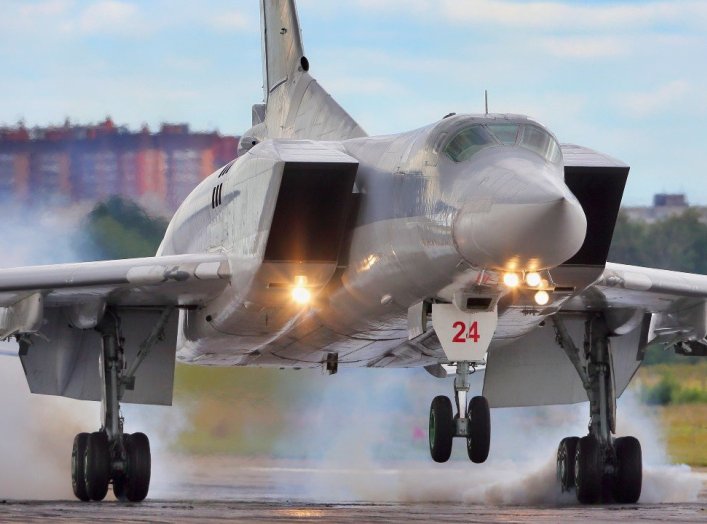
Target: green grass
{"type": "Point", "coordinates": [665, 384]}
{"type": "Point", "coordinates": [679, 394]}
{"type": "Point", "coordinates": [231, 410]}
{"type": "Point", "coordinates": [686, 432]}
{"type": "Point", "coordinates": [244, 411]}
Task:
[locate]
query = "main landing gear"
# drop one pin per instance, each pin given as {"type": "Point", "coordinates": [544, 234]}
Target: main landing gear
{"type": "Point", "coordinates": [599, 467]}
{"type": "Point", "coordinates": [110, 455]}
{"type": "Point", "coordinates": [472, 422]}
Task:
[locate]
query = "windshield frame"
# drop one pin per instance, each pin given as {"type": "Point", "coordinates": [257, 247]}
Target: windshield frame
{"type": "Point", "coordinates": [543, 143]}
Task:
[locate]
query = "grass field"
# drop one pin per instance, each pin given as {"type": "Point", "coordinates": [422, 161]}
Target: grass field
{"type": "Point", "coordinates": [685, 423]}
{"type": "Point", "coordinates": [245, 411]}
{"type": "Point", "coordinates": [231, 410]}
{"type": "Point", "coordinates": [686, 432]}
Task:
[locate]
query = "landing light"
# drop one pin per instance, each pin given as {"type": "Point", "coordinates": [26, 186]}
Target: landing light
{"type": "Point", "coordinates": [533, 279]}
{"type": "Point", "coordinates": [542, 298]}
{"type": "Point", "coordinates": [300, 293]}
{"type": "Point", "coordinates": [511, 279]}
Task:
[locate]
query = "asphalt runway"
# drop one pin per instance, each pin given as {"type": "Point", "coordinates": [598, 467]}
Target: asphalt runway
{"type": "Point", "coordinates": [220, 489]}
{"type": "Point", "coordinates": [219, 511]}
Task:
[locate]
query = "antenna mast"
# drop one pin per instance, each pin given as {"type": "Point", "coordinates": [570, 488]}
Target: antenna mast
{"type": "Point", "coordinates": [486, 100]}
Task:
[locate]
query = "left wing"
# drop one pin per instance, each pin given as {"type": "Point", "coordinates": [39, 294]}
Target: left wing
{"type": "Point", "coordinates": [168, 280]}
{"type": "Point", "coordinates": [53, 311]}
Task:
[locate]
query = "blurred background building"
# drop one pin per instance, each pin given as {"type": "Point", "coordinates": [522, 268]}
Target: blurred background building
{"type": "Point", "coordinates": [665, 205]}
{"type": "Point", "coordinates": [87, 163]}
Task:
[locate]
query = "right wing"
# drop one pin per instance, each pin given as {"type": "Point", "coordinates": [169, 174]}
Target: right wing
{"type": "Point", "coordinates": [672, 305]}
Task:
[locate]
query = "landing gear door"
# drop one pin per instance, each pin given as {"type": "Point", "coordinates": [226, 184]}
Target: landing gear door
{"type": "Point", "coordinates": [464, 335]}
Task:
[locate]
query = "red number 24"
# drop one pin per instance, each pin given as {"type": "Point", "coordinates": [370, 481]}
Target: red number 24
{"type": "Point", "coordinates": [473, 333]}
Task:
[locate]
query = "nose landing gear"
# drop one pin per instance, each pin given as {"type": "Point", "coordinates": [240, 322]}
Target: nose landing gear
{"type": "Point", "coordinates": [472, 421]}
{"type": "Point", "coordinates": [599, 467]}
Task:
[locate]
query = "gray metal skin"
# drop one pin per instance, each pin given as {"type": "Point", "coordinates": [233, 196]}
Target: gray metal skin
{"type": "Point", "coordinates": [421, 233]}
{"type": "Point", "coordinates": [427, 229]}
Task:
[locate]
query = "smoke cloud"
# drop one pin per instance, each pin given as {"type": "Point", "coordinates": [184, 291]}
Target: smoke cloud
{"type": "Point", "coordinates": [364, 438]}
{"type": "Point", "coordinates": [38, 432]}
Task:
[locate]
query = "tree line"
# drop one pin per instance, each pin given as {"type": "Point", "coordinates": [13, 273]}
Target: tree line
{"type": "Point", "coordinates": [678, 243]}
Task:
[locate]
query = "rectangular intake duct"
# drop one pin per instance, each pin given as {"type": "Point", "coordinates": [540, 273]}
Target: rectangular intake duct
{"type": "Point", "coordinates": [311, 213]}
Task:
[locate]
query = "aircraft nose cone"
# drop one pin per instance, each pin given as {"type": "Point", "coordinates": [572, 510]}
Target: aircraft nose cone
{"type": "Point", "coordinates": [538, 234]}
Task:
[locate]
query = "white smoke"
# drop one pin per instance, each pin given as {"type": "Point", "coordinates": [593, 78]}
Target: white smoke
{"type": "Point", "coordinates": [364, 438]}
{"type": "Point", "coordinates": [37, 435]}
{"type": "Point", "coordinates": [37, 432]}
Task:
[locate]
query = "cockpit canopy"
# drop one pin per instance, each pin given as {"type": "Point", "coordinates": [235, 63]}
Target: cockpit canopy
{"type": "Point", "coordinates": [470, 140]}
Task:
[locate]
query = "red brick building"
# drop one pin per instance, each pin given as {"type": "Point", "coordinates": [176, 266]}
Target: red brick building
{"type": "Point", "coordinates": [67, 164]}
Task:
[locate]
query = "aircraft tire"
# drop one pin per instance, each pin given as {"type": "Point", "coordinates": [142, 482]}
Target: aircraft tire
{"type": "Point", "coordinates": [565, 462]}
{"type": "Point", "coordinates": [135, 484]}
{"type": "Point", "coordinates": [588, 470]}
{"type": "Point", "coordinates": [629, 477]}
{"type": "Point", "coordinates": [78, 456]}
{"type": "Point", "coordinates": [119, 481]}
{"type": "Point", "coordinates": [479, 440]}
{"type": "Point", "coordinates": [119, 488]}
{"type": "Point", "coordinates": [441, 430]}
{"type": "Point", "coordinates": [97, 466]}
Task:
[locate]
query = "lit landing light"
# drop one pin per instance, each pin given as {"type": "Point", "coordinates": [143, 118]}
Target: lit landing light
{"type": "Point", "coordinates": [542, 298]}
{"type": "Point", "coordinates": [511, 279]}
{"type": "Point", "coordinates": [533, 279]}
{"type": "Point", "coordinates": [300, 294]}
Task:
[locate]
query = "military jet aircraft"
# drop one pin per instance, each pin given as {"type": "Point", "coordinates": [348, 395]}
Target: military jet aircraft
{"type": "Point", "coordinates": [476, 241]}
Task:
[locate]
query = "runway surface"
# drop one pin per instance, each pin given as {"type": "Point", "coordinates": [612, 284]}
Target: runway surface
{"type": "Point", "coordinates": [219, 489]}
{"type": "Point", "coordinates": [217, 511]}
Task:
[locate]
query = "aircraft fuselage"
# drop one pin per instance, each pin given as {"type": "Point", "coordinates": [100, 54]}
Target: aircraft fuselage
{"type": "Point", "coordinates": [442, 210]}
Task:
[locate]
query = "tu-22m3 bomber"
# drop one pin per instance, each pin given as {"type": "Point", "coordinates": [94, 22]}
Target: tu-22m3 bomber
{"type": "Point", "coordinates": [478, 241]}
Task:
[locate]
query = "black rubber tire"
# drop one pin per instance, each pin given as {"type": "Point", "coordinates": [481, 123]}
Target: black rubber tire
{"type": "Point", "coordinates": [629, 476]}
{"type": "Point", "coordinates": [78, 455]}
{"type": "Point", "coordinates": [565, 462]}
{"type": "Point", "coordinates": [119, 481]}
{"type": "Point", "coordinates": [478, 442]}
{"type": "Point", "coordinates": [119, 488]}
{"type": "Point", "coordinates": [588, 470]}
{"type": "Point", "coordinates": [135, 484]}
{"type": "Point", "coordinates": [97, 466]}
{"type": "Point", "coordinates": [441, 429]}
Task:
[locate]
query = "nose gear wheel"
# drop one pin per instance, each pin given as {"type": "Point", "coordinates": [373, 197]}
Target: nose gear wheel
{"type": "Point", "coordinates": [472, 422]}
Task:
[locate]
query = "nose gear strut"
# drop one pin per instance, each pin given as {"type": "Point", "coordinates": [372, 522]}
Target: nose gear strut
{"type": "Point", "coordinates": [471, 421]}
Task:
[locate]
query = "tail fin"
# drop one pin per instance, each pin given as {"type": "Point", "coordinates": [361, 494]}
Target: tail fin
{"type": "Point", "coordinates": [296, 105]}
{"type": "Point", "coordinates": [282, 43]}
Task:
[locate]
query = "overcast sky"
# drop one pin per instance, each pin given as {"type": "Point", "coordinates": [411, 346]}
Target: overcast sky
{"type": "Point", "coordinates": [627, 78]}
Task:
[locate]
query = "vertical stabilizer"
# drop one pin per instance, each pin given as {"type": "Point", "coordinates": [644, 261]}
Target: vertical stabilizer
{"type": "Point", "coordinates": [282, 42]}
{"type": "Point", "coordinates": [296, 105]}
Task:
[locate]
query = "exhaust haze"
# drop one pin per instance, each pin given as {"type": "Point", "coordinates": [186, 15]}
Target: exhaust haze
{"type": "Point", "coordinates": [366, 439]}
